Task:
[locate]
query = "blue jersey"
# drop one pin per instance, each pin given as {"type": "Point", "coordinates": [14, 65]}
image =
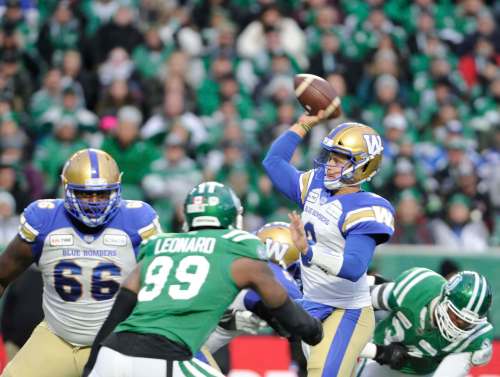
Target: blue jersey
{"type": "Point", "coordinates": [83, 271]}
{"type": "Point", "coordinates": [329, 220]}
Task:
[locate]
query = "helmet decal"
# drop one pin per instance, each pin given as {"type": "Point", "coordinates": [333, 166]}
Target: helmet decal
{"type": "Point", "coordinates": [212, 204]}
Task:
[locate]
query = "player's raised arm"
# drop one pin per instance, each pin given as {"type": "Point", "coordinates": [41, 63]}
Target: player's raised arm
{"type": "Point", "coordinates": [285, 177]}
{"type": "Point", "coordinates": [13, 261]}
{"type": "Point", "coordinates": [256, 274]}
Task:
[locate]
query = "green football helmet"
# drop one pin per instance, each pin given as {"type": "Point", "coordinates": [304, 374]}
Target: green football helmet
{"type": "Point", "coordinates": [212, 205]}
{"type": "Point", "coordinates": [463, 305]}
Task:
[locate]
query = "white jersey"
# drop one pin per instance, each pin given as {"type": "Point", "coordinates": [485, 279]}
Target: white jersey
{"type": "Point", "coordinates": [82, 272]}
{"type": "Point", "coordinates": [328, 219]}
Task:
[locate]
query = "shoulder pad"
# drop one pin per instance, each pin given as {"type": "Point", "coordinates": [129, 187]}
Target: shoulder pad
{"type": "Point", "coordinates": [415, 287]}
{"type": "Point", "coordinates": [35, 218]}
{"type": "Point", "coordinates": [142, 218]}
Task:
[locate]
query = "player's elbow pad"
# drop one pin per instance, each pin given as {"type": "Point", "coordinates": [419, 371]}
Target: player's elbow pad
{"type": "Point", "coordinates": [298, 322]}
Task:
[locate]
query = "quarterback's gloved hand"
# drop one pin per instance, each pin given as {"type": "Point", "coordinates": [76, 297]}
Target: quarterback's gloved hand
{"type": "Point", "coordinates": [248, 322]}
{"type": "Point", "coordinates": [242, 320]}
{"type": "Point", "coordinates": [394, 355]}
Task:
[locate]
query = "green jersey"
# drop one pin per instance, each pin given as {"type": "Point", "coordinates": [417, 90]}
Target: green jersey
{"type": "Point", "coordinates": [412, 299]}
{"type": "Point", "coordinates": [186, 283]}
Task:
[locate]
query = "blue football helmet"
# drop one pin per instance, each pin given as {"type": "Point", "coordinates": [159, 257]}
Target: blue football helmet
{"type": "Point", "coordinates": [92, 187]}
{"type": "Point", "coordinates": [359, 146]}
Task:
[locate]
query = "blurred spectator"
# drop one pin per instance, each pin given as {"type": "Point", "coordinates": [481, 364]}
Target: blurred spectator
{"type": "Point", "coordinates": [459, 231]}
{"type": "Point", "coordinates": [411, 225]}
{"type": "Point", "coordinates": [172, 176]}
{"type": "Point", "coordinates": [12, 182]}
{"type": "Point", "coordinates": [174, 111]}
{"type": "Point", "coordinates": [98, 12]}
{"type": "Point", "coordinates": [133, 155]}
{"type": "Point", "coordinates": [53, 151]}
{"type": "Point", "coordinates": [16, 79]}
{"type": "Point", "coordinates": [60, 33]}
{"type": "Point", "coordinates": [74, 75]}
{"type": "Point", "coordinates": [118, 66]}
{"type": "Point", "coordinates": [447, 174]}
{"type": "Point", "coordinates": [114, 97]}
{"type": "Point", "coordinates": [290, 37]}
{"type": "Point", "coordinates": [150, 56]}
{"type": "Point", "coordinates": [119, 32]}
{"type": "Point", "coordinates": [72, 106]}
{"type": "Point", "coordinates": [49, 96]}
{"type": "Point", "coordinates": [9, 221]}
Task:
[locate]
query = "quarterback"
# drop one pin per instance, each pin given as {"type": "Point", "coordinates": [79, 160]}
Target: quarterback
{"type": "Point", "coordinates": [174, 298]}
{"type": "Point", "coordinates": [84, 245]}
{"type": "Point", "coordinates": [343, 225]}
{"type": "Point", "coordinates": [435, 328]}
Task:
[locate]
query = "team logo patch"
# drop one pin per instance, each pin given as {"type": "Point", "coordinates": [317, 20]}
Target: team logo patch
{"type": "Point", "coordinates": [115, 240]}
{"type": "Point", "coordinates": [312, 197]}
{"type": "Point", "coordinates": [61, 240]}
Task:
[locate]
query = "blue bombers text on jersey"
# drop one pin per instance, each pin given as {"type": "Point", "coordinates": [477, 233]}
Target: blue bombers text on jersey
{"type": "Point", "coordinates": [82, 272]}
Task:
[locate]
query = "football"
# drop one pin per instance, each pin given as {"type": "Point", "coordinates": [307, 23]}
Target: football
{"type": "Point", "coordinates": [315, 93]}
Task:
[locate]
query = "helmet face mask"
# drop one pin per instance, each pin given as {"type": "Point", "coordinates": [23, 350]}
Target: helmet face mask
{"type": "Point", "coordinates": [212, 205]}
{"type": "Point", "coordinates": [338, 168]}
{"type": "Point", "coordinates": [463, 305]}
{"type": "Point", "coordinates": [92, 189]}
{"type": "Point", "coordinates": [361, 149]}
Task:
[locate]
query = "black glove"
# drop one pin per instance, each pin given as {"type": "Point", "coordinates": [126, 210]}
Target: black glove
{"type": "Point", "coordinates": [394, 355]}
{"type": "Point", "coordinates": [380, 279]}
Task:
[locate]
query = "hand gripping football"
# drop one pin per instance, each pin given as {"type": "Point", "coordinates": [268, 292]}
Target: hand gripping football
{"type": "Point", "coordinates": [315, 93]}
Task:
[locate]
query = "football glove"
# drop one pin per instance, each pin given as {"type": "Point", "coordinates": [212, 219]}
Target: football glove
{"type": "Point", "coordinates": [394, 355]}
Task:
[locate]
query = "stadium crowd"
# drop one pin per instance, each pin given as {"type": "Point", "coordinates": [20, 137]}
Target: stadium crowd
{"type": "Point", "coordinates": [184, 91]}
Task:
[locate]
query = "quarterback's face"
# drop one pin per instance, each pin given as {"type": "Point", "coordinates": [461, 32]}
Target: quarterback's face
{"type": "Point", "coordinates": [336, 163]}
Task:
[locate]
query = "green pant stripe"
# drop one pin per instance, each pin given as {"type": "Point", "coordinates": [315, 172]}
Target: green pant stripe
{"type": "Point", "coordinates": [191, 370]}
{"type": "Point", "coordinates": [201, 369]}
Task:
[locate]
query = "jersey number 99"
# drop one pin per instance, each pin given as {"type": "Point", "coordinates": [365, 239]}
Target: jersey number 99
{"type": "Point", "coordinates": [191, 272]}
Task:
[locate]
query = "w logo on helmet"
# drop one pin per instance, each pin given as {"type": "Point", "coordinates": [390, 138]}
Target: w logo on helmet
{"type": "Point", "coordinates": [374, 144]}
{"type": "Point", "coordinates": [276, 249]}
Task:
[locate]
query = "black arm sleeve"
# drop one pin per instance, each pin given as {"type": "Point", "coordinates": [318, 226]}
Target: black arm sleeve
{"type": "Point", "coordinates": [297, 321]}
{"type": "Point", "coordinates": [264, 312]}
{"type": "Point", "coordinates": [123, 306]}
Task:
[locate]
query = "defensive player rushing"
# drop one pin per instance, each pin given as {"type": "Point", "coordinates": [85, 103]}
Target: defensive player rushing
{"type": "Point", "coordinates": [84, 246]}
{"type": "Point", "coordinates": [343, 225]}
{"type": "Point", "coordinates": [441, 325]}
{"type": "Point", "coordinates": [175, 297]}
{"type": "Point", "coordinates": [247, 313]}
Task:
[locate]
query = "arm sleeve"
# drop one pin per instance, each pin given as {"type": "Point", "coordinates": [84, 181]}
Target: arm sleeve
{"type": "Point", "coordinates": [285, 176]}
{"type": "Point", "coordinates": [358, 252]}
{"type": "Point", "coordinates": [454, 365]}
{"type": "Point", "coordinates": [380, 296]}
